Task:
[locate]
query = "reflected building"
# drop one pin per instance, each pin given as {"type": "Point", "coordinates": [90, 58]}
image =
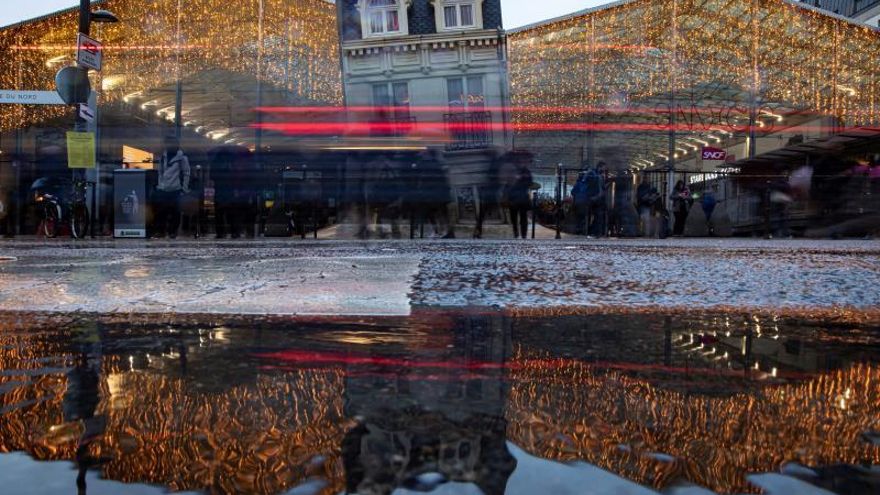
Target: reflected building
{"type": "Point", "coordinates": [432, 416]}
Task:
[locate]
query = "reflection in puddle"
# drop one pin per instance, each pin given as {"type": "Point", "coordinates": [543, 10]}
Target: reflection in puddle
{"type": "Point", "coordinates": [465, 402]}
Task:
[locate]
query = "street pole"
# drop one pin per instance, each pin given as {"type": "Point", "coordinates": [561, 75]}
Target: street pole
{"type": "Point", "coordinates": [79, 123]}
{"type": "Point", "coordinates": [84, 16]}
{"type": "Point", "coordinates": [85, 22]}
{"type": "Point", "coordinates": [559, 201]}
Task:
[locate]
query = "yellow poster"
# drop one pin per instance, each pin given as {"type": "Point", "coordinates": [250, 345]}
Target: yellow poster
{"type": "Point", "coordinates": [80, 150]}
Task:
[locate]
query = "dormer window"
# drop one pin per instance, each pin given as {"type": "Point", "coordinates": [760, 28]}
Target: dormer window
{"type": "Point", "coordinates": [381, 18]}
{"type": "Point", "coordinates": [456, 15]}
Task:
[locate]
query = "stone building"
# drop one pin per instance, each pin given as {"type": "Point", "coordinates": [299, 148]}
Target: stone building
{"type": "Point", "coordinates": [436, 71]}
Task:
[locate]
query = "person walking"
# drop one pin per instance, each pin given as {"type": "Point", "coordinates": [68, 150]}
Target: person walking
{"type": "Point", "coordinates": [597, 202]}
{"type": "Point", "coordinates": [708, 202]}
{"type": "Point", "coordinates": [681, 203]}
{"type": "Point", "coordinates": [519, 194]}
{"type": "Point", "coordinates": [437, 193]}
{"type": "Point", "coordinates": [645, 202]}
{"type": "Point", "coordinates": [489, 194]}
{"type": "Point", "coordinates": [174, 177]}
{"type": "Point", "coordinates": [580, 204]}
{"type": "Point", "coordinates": [224, 184]}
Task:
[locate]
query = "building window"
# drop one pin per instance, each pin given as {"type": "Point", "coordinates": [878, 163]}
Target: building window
{"type": "Point", "coordinates": [383, 17]}
{"type": "Point", "coordinates": [466, 93]}
{"type": "Point", "coordinates": [393, 95]}
{"type": "Point", "coordinates": [392, 117]}
{"type": "Point", "coordinates": [452, 15]}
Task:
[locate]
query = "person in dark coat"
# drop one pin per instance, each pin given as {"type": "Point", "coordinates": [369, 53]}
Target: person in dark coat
{"type": "Point", "coordinates": [597, 210]}
{"type": "Point", "coordinates": [224, 192]}
{"type": "Point", "coordinates": [681, 205]}
{"type": "Point", "coordinates": [490, 195]}
{"type": "Point", "coordinates": [434, 184]}
{"type": "Point", "coordinates": [518, 194]}
{"type": "Point", "coordinates": [580, 204]}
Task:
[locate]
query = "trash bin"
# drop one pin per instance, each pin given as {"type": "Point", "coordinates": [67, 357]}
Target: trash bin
{"type": "Point", "coordinates": [130, 189]}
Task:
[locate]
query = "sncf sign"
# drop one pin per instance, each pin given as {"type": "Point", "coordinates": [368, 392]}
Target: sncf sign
{"type": "Point", "coordinates": [714, 154]}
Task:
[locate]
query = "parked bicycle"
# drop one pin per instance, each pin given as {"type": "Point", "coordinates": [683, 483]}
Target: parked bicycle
{"type": "Point", "coordinates": [63, 202]}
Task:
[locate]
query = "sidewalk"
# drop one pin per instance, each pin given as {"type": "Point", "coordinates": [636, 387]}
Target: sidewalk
{"type": "Point", "coordinates": [286, 277]}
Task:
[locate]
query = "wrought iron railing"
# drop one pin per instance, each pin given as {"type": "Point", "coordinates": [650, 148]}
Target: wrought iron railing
{"type": "Point", "coordinates": [468, 130]}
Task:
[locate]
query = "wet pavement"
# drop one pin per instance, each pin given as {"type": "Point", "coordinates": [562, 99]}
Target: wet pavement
{"type": "Point", "coordinates": [391, 278]}
{"type": "Point", "coordinates": [440, 401]}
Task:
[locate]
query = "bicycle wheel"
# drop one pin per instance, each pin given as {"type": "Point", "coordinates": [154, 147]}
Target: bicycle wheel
{"type": "Point", "coordinates": [51, 221]}
{"type": "Point", "coordinates": [79, 222]}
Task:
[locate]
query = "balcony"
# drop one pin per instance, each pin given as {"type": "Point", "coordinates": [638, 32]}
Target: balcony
{"type": "Point", "coordinates": [393, 126]}
{"type": "Point", "coordinates": [468, 130]}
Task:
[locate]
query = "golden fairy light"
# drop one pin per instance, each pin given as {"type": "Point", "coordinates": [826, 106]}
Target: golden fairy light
{"type": "Point", "coordinates": [655, 435]}
{"type": "Point", "coordinates": [290, 45]}
{"type": "Point", "coordinates": [714, 56]}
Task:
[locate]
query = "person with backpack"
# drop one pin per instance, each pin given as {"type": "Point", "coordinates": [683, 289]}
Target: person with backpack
{"type": "Point", "coordinates": [580, 204]}
{"type": "Point", "coordinates": [708, 202]}
{"type": "Point", "coordinates": [174, 176]}
{"type": "Point", "coordinates": [596, 201]}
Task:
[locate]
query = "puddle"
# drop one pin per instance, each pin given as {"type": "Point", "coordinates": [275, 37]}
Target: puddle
{"type": "Point", "coordinates": [446, 402]}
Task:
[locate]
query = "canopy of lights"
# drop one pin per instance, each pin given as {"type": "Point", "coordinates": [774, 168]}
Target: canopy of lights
{"type": "Point", "coordinates": [724, 67]}
{"type": "Point", "coordinates": [225, 54]}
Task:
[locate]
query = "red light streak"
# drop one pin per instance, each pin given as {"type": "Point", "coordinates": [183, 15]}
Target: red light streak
{"type": "Point", "coordinates": [416, 128]}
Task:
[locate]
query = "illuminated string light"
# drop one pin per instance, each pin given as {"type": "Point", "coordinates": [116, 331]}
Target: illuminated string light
{"type": "Point", "coordinates": [798, 60]}
{"type": "Point", "coordinates": [300, 51]}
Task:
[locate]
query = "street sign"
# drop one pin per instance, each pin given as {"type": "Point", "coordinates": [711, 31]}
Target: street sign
{"type": "Point", "coordinates": [73, 85]}
{"type": "Point", "coordinates": [85, 112]}
{"type": "Point", "coordinates": [714, 154]}
{"type": "Point", "coordinates": [88, 52]}
{"type": "Point", "coordinates": [13, 97]}
{"type": "Point", "coordinates": [80, 150]}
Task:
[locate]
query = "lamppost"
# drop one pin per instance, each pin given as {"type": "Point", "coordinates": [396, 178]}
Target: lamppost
{"type": "Point", "coordinates": [86, 18]}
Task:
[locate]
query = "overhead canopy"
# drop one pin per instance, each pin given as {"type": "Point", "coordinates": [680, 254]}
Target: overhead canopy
{"type": "Point", "coordinates": [230, 56]}
{"type": "Point", "coordinates": [718, 64]}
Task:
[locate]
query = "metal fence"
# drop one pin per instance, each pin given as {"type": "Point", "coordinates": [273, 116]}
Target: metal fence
{"type": "Point", "coordinates": [468, 130]}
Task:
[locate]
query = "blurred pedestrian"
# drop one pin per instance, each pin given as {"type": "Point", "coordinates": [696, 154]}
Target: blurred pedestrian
{"type": "Point", "coordinates": [681, 204]}
{"type": "Point", "coordinates": [519, 194]}
{"type": "Point", "coordinates": [224, 191]}
{"type": "Point", "coordinates": [597, 202]}
{"type": "Point", "coordinates": [644, 203]}
{"type": "Point", "coordinates": [6, 227]}
{"type": "Point", "coordinates": [174, 176]}
{"type": "Point", "coordinates": [490, 194]}
{"type": "Point", "coordinates": [434, 184]}
{"type": "Point", "coordinates": [708, 202]}
{"type": "Point", "coordinates": [580, 204]}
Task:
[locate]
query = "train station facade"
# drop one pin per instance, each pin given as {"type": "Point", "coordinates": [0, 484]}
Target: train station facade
{"type": "Point", "coordinates": [644, 86]}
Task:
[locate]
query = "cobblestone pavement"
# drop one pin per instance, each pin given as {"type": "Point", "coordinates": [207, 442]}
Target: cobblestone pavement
{"type": "Point", "coordinates": [284, 277]}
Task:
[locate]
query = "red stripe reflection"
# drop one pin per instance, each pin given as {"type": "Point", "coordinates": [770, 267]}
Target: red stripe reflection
{"type": "Point", "coordinates": [297, 359]}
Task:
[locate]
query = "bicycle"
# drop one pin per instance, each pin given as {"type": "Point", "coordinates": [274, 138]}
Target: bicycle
{"type": "Point", "coordinates": [61, 205]}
